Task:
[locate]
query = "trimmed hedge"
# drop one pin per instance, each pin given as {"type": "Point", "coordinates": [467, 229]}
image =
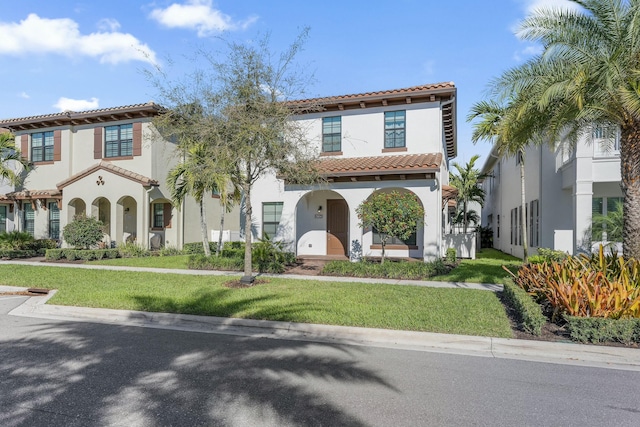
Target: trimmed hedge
{"type": "Point", "coordinates": [389, 270]}
{"type": "Point", "coordinates": [83, 254]}
{"type": "Point", "coordinates": [602, 329]}
{"type": "Point", "coordinates": [17, 253]}
{"type": "Point", "coordinates": [196, 248]}
{"type": "Point", "coordinates": [528, 312]}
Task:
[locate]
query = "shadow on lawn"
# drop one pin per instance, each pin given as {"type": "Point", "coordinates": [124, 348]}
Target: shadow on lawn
{"type": "Point", "coordinates": [477, 271]}
{"type": "Point", "coordinates": [82, 374]}
{"type": "Point", "coordinates": [225, 303]}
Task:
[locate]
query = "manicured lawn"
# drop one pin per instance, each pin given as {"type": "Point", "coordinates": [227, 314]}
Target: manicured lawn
{"type": "Point", "coordinates": [456, 311]}
{"type": "Point", "coordinates": [486, 268]}
{"type": "Point", "coordinates": [178, 261]}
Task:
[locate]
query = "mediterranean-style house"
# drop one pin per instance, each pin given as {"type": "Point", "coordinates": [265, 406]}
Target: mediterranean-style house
{"type": "Point", "coordinates": [565, 186]}
{"type": "Point", "coordinates": [108, 163]}
{"type": "Point", "coordinates": [111, 163]}
{"type": "Point", "coordinates": [398, 140]}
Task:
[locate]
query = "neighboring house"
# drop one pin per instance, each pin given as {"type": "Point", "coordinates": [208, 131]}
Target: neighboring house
{"type": "Point", "coordinates": [6, 207]}
{"type": "Point", "coordinates": [108, 163]}
{"type": "Point", "coordinates": [381, 141]}
{"type": "Point", "coordinates": [564, 187]}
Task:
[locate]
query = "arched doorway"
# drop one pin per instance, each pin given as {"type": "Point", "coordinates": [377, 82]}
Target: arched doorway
{"type": "Point", "coordinates": [127, 225]}
{"type": "Point", "coordinates": [101, 209]}
{"type": "Point", "coordinates": [322, 224]}
{"type": "Point", "coordinates": [74, 208]}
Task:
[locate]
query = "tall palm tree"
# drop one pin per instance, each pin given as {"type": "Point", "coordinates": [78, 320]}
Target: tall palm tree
{"type": "Point", "coordinates": [589, 72]}
{"type": "Point", "coordinates": [511, 127]}
{"type": "Point", "coordinates": [9, 158]}
{"type": "Point", "coordinates": [193, 176]}
{"type": "Point", "coordinates": [467, 182]}
{"type": "Point", "coordinates": [230, 195]}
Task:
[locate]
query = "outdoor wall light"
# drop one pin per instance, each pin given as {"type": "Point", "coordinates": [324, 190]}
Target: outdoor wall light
{"type": "Point", "coordinates": [126, 209]}
{"type": "Point", "coordinates": [319, 208]}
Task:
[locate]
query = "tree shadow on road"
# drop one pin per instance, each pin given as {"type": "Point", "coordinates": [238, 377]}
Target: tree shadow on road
{"type": "Point", "coordinates": [82, 374]}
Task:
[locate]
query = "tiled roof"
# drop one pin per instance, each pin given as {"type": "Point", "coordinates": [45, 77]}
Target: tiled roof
{"type": "Point", "coordinates": [108, 166]}
{"type": "Point", "coordinates": [431, 88]}
{"type": "Point", "coordinates": [32, 194]}
{"type": "Point", "coordinates": [379, 165]}
{"type": "Point", "coordinates": [82, 117]}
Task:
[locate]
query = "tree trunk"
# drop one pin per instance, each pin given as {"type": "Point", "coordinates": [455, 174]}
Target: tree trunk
{"type": "Point", "coordinates": [464, 217]}
{"type": "Point", "coordinates": [383, 243]}
{"type": "Point", "coordinates": [248, 274]}
{"type": "Point", "coordinates": [219, 247]}
{"type": "Point", "coordinates": [630, 184]}
{"type": "Point", "coordinates": [523, 224]}
{"type": "Point", "coordinates": [203, 228]}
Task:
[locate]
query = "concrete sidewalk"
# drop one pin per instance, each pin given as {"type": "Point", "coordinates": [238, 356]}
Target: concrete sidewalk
{"type": "Point", "coordinates": [537, 351]}
{"type": "Point", "coordinates": [427, 283]}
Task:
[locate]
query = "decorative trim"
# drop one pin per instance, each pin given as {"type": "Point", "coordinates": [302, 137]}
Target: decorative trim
{"type": "Point", "coordinates": [331, 153]}
{"type": "Point", "coordinates": [394, 150]}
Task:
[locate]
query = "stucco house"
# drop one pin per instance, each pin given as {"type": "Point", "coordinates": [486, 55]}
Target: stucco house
{"type": "Point", "coordinates": [108, 163]}
{"type": "Point", "coordinates": [565, 186]}
{"type": "Point", "coordinates": [398, 140]}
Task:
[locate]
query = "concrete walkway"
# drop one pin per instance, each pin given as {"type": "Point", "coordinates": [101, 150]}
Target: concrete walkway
{"type": "Point", "coordinates": [536, 351]}
{"type": "Point", "coordinates": [427, 283]}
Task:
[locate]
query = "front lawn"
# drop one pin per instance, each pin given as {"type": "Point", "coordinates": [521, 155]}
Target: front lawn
{"type": "Point", "coordinates": [175, 261]}
{"type": "Point", "coordinates": [455, 311]}
{"type": "Point", "coordinates": [486, 268]}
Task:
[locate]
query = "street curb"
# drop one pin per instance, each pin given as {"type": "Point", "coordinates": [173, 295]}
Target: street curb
{"type": "Point", "coordinates": [501, 348]}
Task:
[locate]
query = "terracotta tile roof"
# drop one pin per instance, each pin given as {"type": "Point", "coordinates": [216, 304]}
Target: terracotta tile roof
{"type": "Point", "coordinates": [380, 165]}
{"type": "Point", "coordinates": [108, 166]}
{"type": "Point", "coordinates": [449, 192]}
{"type": "Point", "coordinates": [82, 117]}
{"type": "Point", "coordinates": [33, 194]}
{"type": "Point", "coordinates": [409, 91]}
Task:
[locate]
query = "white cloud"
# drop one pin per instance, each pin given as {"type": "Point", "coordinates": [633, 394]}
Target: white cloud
{"type": "Point", "coordinates": [528, 51]}
{"type": "Point", "coordinates": [108, 24]}
{"type": "Point", "coordinates": [198, 15]}
{"type": "Point", "coordinates": [533, 5]}
{"type": "Point", "coordinates": [62, 36]}
{"type": "Point", "coordinates": [68, 104]}
{"type": "Point", "coordinates": [24, 95]}
{"type": "Point", "coordinates": [428, 68]}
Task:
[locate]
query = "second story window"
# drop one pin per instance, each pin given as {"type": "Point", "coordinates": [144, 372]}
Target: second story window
{"type": "Point", "coordinates": [331, 134]}
{"type": "Point", "coordinates": [394, 129]}
{"type": "Point", "coordinates": [118, 141]}
{"type": "Point", "coordinates": [42, 147]}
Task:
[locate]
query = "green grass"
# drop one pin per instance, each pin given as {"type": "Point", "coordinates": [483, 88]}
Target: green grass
{"type": "Point", "coordinates": [456, 311]}
{"type": "Point", "coordinates": [177, 261]}
{"type": "Point", "coordinates": [486, 268]}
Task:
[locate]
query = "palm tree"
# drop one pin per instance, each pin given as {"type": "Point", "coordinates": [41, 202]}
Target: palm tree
{"type": "Point", "coordinates": [230, 196]}
{"type": "Point", "coordinates": [9, 158]}
{"type": "Point", "coordinates": [589, 72]}
{"type": "Point", "coordinates": [467, 182]}
{"type": "Point", "coordinates": [511, 128]}
{"type": "Point", "coordinates": [471, 216]}
{"type": "Point", "coordinates": [193, 176]}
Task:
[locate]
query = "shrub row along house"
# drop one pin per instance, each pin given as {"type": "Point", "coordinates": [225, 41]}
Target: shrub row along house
{"type": "Point", "coordinates": [566, 187]}
{"type": "Point", "coordinates": [112, 164]}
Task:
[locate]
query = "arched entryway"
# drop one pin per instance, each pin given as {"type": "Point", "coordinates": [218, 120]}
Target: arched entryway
{"type": "Point", "coordinates": [410, 247]}
{"type": "Point", "coordinates": [101, 209]}
{"type": "Point", "coordinates": [322, 224]}
{"type": "Point", "coordinates": [74, 208]}
{"type": "Point", "coordinates": [126, 227]}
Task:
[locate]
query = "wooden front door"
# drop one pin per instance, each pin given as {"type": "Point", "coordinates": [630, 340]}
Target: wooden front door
{"type": "Point", "coordinates": [337, 227]}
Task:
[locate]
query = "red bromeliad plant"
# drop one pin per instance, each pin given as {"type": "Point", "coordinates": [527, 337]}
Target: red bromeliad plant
{"type": "Point", "coordinates": [392, 214]}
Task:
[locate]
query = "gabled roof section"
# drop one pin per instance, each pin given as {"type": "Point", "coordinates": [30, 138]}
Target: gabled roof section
{"type": "Point", "coordinates": [110, 167]}
{"type": "Point", "coordinates": [68, 118]}
{"type": "Point", "coordinates": [381, 165]}
{"type": "Point", "coordinates": [32, 194]}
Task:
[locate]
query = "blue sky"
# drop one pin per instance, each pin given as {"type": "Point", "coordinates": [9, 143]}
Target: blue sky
{"type": "Point", "coordinates": [78, 55]}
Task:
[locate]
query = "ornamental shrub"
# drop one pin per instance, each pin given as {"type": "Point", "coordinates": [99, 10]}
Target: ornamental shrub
{"type": "Point", "coordinates": [83, 232]}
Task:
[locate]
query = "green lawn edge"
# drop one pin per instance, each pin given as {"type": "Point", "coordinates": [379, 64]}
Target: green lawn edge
{"type": "Point", "coordinates": [454, 311]}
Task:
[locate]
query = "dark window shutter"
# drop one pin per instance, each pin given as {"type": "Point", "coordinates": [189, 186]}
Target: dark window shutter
{"type": "Point", "coordinates": [24, 146]}
{"type": "Point", "coordinates": [167, 215]}
{"type": "Point", "coordinates": [97, 143]}
{"type": "Point", "coordinates": [137, 139]}
{"type": "Point", "coordinates": [57, 145]}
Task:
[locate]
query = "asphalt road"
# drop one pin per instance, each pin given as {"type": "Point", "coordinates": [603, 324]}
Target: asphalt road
{"type": "Point", "coordinates": [56, 373]}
